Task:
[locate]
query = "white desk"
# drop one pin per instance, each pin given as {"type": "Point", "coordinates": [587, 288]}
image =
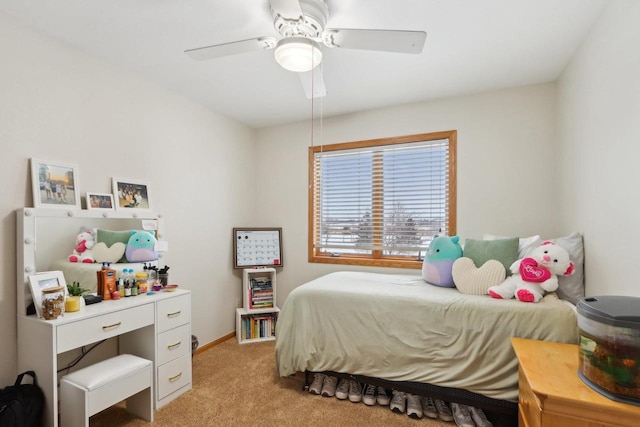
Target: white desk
{"type": "Point", "coordinates": [157, 328]}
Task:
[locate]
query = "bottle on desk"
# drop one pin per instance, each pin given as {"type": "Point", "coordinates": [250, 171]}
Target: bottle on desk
{"type": "Point", "coordinates": [134, 288]}
{"type": "Point", "coordinates": [121, 285]}
{"type": "Point", "coordinates": [106, 281]}
{"type": "Point", "coordinates": [127, 283]}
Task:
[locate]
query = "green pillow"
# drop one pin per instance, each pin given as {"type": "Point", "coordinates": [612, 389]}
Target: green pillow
{"type": "Point", "coordinates": [109, 237]}
{"type": "Point", "coordinates": [481, 251]}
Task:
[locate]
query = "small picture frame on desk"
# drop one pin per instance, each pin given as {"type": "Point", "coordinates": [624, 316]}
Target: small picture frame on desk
{"type": "Point", "coordinates": [45, 280]}
{"type": "Point", "coordinates": [54, 185]}
{"type": "Point", "coordinates": [131, 195]}
{"type": "Point", "coordinates": [100, 201]}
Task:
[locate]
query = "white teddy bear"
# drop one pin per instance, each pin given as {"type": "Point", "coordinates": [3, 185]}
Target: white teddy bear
{"type": "Point", "coordinates": [535, 275]}
{"type": "Point", "coordinates": [82, 251]}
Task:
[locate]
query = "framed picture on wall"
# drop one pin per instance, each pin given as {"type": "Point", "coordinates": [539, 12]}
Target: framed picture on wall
{"type": "Point", "coordinates": [100, 201]}
{"type": "Point", "coordinates": [131, 194]}
{"type": "Point", "coordinates": [55, 184]}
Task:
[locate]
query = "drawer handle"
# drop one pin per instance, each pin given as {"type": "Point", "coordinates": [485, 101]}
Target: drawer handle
{"type": "Point", "coordinates": [176, 377]}
{"type": "Point", "coordinates": [172, 346]}
{"type": "Point", "coordinates": [175, 313]}
{"type": "Point", "coordinates": [115, 325]}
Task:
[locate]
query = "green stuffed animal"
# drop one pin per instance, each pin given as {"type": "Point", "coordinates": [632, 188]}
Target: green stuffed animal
{"type": "Point", "coordinates": [141, 247]}
{"type": "Point", "coordinates": [438, 262]}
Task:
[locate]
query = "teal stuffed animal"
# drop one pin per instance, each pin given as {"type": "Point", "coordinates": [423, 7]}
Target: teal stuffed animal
{"type": "Point", "coordinates": [438, 262]}
{"type": "Point", "coordinates": [141, 247]}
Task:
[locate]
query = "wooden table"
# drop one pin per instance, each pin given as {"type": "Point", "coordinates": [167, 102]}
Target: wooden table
{"type": "Point", "coordinates": [552, 395]}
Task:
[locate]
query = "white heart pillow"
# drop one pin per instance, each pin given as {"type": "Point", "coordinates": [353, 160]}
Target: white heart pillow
{"type": "Point", "coordinates": [473, 280]}
{"type": "Point", "coordinates": [103, 253]}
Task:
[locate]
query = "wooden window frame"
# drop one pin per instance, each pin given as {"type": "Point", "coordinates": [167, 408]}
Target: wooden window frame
{"type": "Point", "coordinates": [377, 259]}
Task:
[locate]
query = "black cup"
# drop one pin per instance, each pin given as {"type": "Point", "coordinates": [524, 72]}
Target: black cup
{"type": "Point", "coordinates": [164, 279]}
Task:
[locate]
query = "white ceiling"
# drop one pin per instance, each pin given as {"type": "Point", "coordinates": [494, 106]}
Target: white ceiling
{"type": "Point", "coordinates": [471, 46]}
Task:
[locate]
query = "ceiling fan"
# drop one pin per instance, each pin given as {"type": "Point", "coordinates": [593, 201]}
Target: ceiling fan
{"type": "Point", "coordinates": [301, 25]}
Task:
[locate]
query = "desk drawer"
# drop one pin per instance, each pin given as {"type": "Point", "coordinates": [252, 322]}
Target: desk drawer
{"type": "Point", "coordinates": [173, 344]}
{"type": "Point", "coordinates": [174, 375]}
{"type": "Point", "coordinates": [89, 330]}
{"type": "Point", "coordinates": [174, 312]}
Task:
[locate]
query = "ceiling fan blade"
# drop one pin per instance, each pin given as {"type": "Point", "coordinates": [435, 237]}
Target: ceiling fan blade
{"type": "Point", "coordinates": [313, 83]}
{"type": "Point", "coordinates": [233, 48]}
{"type": "Point", "coordinates": [288, 9]}
{"type": "Point", "coordinates": [381, 40]}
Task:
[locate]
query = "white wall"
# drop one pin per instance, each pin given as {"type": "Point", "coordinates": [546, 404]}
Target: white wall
{"type": "Point", "coordinates": [513, 176]}
{"type": "Point", "coordinates": [507, 171]}
{"type": "Point", "coordinates": [599, 133]}
{"type": "Point", "coordinates": [58, 104]}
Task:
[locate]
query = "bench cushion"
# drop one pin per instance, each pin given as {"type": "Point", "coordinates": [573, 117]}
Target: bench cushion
{"type": "Point", "coordinates": [107, 371]}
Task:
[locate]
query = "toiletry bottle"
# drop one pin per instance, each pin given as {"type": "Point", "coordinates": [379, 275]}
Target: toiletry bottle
{"type": "Point", "coordinates": [134, 286]}
{"type": "Point", "coordinates": [121, 284]}
{"type": "Point", "coordinates": [107, 281]}
{"type": "Point", "coordinates": [127, 283]}
{"type": "Point", "coordinates": [110, 283]}
{"type": "Point", "coordinates": [100, 284]}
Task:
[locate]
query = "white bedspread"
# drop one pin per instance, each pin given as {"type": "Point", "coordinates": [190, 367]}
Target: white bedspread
{"type": "Point", "coordinates": [399, 328]}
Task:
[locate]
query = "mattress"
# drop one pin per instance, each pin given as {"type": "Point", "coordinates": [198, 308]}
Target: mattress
{"type": "Point", "coordinates": [400, 328]}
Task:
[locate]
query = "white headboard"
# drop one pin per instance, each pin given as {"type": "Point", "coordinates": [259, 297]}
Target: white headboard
{"type": "Point", "coordinates": [45, 235]}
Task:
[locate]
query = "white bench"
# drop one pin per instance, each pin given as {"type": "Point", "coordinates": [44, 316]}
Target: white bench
{"type": "Point", "coordinates": [92, 389]}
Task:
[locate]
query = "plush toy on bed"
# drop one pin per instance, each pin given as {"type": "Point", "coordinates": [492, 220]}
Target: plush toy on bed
{"type": "Point", "coordinates": [82, 251]}
{"type": "Point", "coordinates": [536, 274]}
{"type": "Point", "coordinates": [438, 261]}
{"type": "Point", "coordinates": [141, 247]}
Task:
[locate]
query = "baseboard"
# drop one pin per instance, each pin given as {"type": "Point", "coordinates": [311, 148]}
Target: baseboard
{"type": "Point", "coordinates": [215, 342]}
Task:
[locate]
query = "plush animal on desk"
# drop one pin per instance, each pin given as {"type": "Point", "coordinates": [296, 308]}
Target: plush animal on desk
{"type": "Point", "coordinates": [438, 261]}
{"type": "Point", "coordinates": [535, 275]}
{"type": "Point", "coordinates": [82, 251]}
{"type": "Point", "coordinates": [141, 247]}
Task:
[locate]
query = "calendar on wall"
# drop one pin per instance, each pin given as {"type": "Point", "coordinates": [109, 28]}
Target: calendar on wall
{"type": "Point", "coordinates": [257, 247]}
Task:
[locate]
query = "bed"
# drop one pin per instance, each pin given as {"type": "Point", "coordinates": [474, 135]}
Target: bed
{"type": "Point", "coordinates": [401, 332]}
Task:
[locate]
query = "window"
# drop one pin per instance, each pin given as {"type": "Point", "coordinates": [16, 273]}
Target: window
{"type": "Point", "coordinates": [380, 202]}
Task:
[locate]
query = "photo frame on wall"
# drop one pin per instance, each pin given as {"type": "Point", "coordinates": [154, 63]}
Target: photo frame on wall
{"type": "Point", "coordinates": [131, 195]}
{"type": "Point", "coordinates": [45, 280]}
{"type": "Point", "coordinates": [100, 201]}
{"type": "Point", "coordinates": [54, 184]}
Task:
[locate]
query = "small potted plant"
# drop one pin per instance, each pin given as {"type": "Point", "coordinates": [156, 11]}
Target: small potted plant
{"type": "Point", "coordinates": [74, 300]}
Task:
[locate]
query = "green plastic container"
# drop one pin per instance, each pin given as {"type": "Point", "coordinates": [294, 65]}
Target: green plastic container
{"type": "Point", "coordinates": [609, 355]}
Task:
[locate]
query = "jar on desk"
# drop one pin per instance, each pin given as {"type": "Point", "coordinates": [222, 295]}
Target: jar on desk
{"type": "Point", "coordinates": [142, 282]}
{"type": "Point", "coordinates": [53, 302]}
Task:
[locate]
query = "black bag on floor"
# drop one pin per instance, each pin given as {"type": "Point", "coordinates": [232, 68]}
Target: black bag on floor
{"type": "Point", "coordinates": [21, 405]}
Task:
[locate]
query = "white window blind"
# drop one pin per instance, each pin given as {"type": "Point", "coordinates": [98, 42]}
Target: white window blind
{"type": "Point", "coordinates": [388, 198]}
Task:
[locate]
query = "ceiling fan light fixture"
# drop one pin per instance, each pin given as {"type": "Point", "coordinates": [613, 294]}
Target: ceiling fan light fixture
{"type": "Point", "coordinates": [298, 54]}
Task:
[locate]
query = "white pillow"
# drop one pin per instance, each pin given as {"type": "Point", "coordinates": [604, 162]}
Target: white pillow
{"type": "Point", "coordinates": [525, 244]}
{"type": "Point", "coordinates": [571, 288]}
{"type": "Point", "coordinates": [472, 280]}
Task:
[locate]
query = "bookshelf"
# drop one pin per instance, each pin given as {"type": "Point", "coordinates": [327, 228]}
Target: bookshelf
{"type": "Point", "coordinates": [256, 319]}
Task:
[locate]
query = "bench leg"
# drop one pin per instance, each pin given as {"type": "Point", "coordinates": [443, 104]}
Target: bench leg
{"type": "Point", "coordinates": [74, 411]}
{"type": "Point", "coordinates": [141, 404]}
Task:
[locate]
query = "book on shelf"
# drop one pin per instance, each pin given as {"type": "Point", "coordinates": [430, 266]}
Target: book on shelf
{"type": "Point", "coordinates": [260, 293]}
{"type": "Point", "coordinates": [260, 283]}
{"type": "Point", "coordinates": [258, 326]}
